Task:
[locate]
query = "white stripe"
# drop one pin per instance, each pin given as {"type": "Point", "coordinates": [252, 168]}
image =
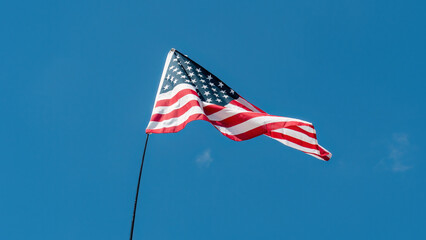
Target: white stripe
{"type": "Point", "coordinates": [308, 128]}
{"type": "Point", "coordinates": [247, 104]}
{"type": "Point", "coordinates": [229, 111]}
{"type": "Point", "coordinates": [298, 135]}
{"type": "Point", "coordinates": [296, 146]}
{"type": "Point", "coordinates": [316, 156]}
{"type": "Point", "coordinates": [180, 103]}
{"type": "Point", "coordinates": [236, 106]}
{"type": "Point", "coordinates": [176, 121]}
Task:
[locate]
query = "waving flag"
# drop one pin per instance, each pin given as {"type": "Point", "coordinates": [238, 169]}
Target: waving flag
{"type": "Point", "coordinates": [188, 92]}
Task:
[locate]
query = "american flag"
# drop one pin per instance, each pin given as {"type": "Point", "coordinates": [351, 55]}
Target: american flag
{"type": "Point", "coordinates": [188, 92]}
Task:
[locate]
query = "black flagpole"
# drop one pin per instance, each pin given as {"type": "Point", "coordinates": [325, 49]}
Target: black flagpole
{"type": "Point", "coordinates": [137, 190]}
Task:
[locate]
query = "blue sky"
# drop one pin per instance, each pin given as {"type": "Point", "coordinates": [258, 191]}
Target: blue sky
{"type": "Point", "coordinates": [77, 85]}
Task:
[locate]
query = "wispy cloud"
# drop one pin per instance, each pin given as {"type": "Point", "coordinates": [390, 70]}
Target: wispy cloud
{"type": "Point", "coordinates": [204, 160]}
{"type": "Point", "coordinates": [397, 153]}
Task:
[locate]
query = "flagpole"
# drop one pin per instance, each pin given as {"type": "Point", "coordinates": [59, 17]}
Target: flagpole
{"type": "Point", "coordinates": [137, 189]}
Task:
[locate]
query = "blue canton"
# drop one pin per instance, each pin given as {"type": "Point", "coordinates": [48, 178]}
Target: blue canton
{"type": "Point", "coordinates": [182, 70]}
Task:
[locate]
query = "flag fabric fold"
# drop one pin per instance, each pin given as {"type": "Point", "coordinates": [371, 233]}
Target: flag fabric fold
{"type": "Point", "coordinates": [188, 92]}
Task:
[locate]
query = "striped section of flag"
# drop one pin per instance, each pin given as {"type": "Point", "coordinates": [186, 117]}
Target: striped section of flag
{"type": "Point", "coordinates": [188, 92]}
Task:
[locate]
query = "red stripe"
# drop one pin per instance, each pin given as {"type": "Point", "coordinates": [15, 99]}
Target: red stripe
{"type": "Point", "coordinates": [175, 113]}
{"type": "Point", "coordinates": [210, 109]}
{"type": "Point", "coordinates": [175, 98]}
{"type": "Point", "coordinates": [323, 157]}
{"type": "Point", "coordinates": [293, 140]}
{"type": "Point", "coordinates": [323, 154]}
{"type": "Point", "coordinates": [301, 130]}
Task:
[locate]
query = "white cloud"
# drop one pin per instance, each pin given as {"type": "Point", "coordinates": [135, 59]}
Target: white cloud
{"type": "Point", "coordinates": [204, 160]}
{"type": "Point", "coordinates": [400, 167]}
{"type": "Point", "coordinates": [397, 153]}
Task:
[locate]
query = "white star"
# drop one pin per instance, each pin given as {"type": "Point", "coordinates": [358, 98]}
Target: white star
{"type": "Point", "coordinates": [218, 100]}
{"type": "Point", "coordinates": [187, 62]}
{"type": "Point", "coordinates": [191, 74]}
{"type": "Point", "coordinates": [204, 86]}
{"type": "Point", "coordinates": [202, 80]}
{"type": "Point", "coordinates": [177, 56]}
{"type": "Point", "coordinates": [198, 70]}
{"type": "Point", "coordinates": [171, 67]}
{"type": "Point", "coordinates": [179, 73]}
{"type": "Point", "coordinates": [175, 81]}
{"type": "Point", "coordinates": [211, 84]}
{"type": "Point", "coordinates": [209, 77]}
{"type": "Point", "coordinates": [223, 91]}
{"type": "Point", "coordinates": [220, 84]}
{"type": "Point", "coordinates": [217, 95]}
{"type": "Point", "coordinates": [225, 96]}
{"type": "Point", "coordinates": [187, 80]}
{"type": "Point", "coordinates": [179, 63]}
{"type": "Point", "coordinates": [183, 76]}
{"type": "Point", "coordinates": [206, 93]}
{"type": "Point", "coordinates": [166, 87]}
{"type": "Point", "coordinates": [214, 90]}
{"type": "Point", "coordinates": [168, 77]}
{"type": "Point", "coordinates": [174, 60]}
{"type": "Point", "coordinates": [232, 91]}
{"type": "Point", "coordinates": [209, 100]}
{"type": "Point", "coordinates": [193, 80]}
{"type": "Point", "coordinates": [200, 75]}
{"type": "Point", "coordinates": [189, 68]}
{"type": "Point", "coordinates": [174, 70]}
{"type": "Point", "coordinates": [172, 79]}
